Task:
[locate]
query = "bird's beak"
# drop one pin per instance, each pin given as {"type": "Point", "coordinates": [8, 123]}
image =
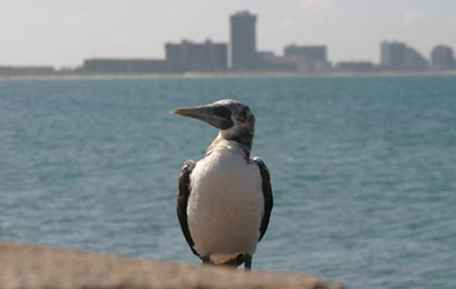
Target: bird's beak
{"type": "Point", "coordinates": [218, 116]}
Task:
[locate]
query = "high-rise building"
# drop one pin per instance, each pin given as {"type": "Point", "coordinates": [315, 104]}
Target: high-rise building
{"type": "Point", "coordinates": [392, 54]}
{"type": "Point", "coordinates": [442, 57]}
{"type": "Point", "coordinates": [308, 58]}
{"type": "Point", "coordinates": [192, 56]}
{"type": "Point", "coordinates": [399, 56]}
{"type": "Point", "coordinates": [243, 49]}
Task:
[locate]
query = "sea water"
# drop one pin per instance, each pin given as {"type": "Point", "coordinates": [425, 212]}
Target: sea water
{"type": "Point", "coordinates": [363, 170]}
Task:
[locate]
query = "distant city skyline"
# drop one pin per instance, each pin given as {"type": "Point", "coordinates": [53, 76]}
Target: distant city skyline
{"type": "Point", "coordinates": [63, 33]}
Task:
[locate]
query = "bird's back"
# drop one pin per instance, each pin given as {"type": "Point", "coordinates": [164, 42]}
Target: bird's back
{"type": "Point", "coordinates": [226, 205]}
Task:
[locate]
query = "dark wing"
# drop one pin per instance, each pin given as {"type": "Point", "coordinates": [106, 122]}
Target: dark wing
{"type": "Point", "coordinates": [267, 194]}
{"type": "Point", "coordinates": [182, 199]}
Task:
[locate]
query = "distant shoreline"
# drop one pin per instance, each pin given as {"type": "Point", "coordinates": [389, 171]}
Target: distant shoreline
{"type": "Point", "coordinates": [225, 75]}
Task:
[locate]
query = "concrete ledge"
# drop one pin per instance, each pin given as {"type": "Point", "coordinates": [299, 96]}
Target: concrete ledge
{"type": "Point", "coordinates": [37, 267]}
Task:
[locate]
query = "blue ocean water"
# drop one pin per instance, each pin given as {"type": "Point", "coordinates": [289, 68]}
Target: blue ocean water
{"type": "Point", "coordinates": [363, 170]}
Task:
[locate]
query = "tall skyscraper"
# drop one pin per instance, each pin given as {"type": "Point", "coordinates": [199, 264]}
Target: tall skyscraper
{"type": "Point", "coordinates": [243, 50]}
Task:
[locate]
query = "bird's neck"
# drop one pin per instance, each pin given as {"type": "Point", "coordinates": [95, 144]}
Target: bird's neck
{"type": "Point", "coordinates": [244, 144]}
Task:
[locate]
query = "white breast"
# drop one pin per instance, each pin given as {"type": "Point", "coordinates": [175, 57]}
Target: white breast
{"type": "Point", "coordinates": [226, 204]}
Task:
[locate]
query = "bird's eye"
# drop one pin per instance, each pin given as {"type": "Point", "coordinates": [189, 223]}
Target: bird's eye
{"type": "Point", "coordinates": [243, 114]}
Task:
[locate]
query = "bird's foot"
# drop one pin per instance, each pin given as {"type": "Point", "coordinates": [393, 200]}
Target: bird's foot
{"type": "Point", "coordinates": [247, 262]}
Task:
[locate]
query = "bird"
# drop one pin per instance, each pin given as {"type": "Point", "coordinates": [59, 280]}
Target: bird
{"type": "Point", "coordinates": [225, 199]}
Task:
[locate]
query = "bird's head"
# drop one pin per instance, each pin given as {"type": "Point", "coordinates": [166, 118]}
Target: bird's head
{"type": "Point", "coordinates": [234, 120]}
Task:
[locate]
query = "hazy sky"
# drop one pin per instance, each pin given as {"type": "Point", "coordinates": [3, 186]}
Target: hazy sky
{"type": "Point", "coordinates": [62, 33]}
